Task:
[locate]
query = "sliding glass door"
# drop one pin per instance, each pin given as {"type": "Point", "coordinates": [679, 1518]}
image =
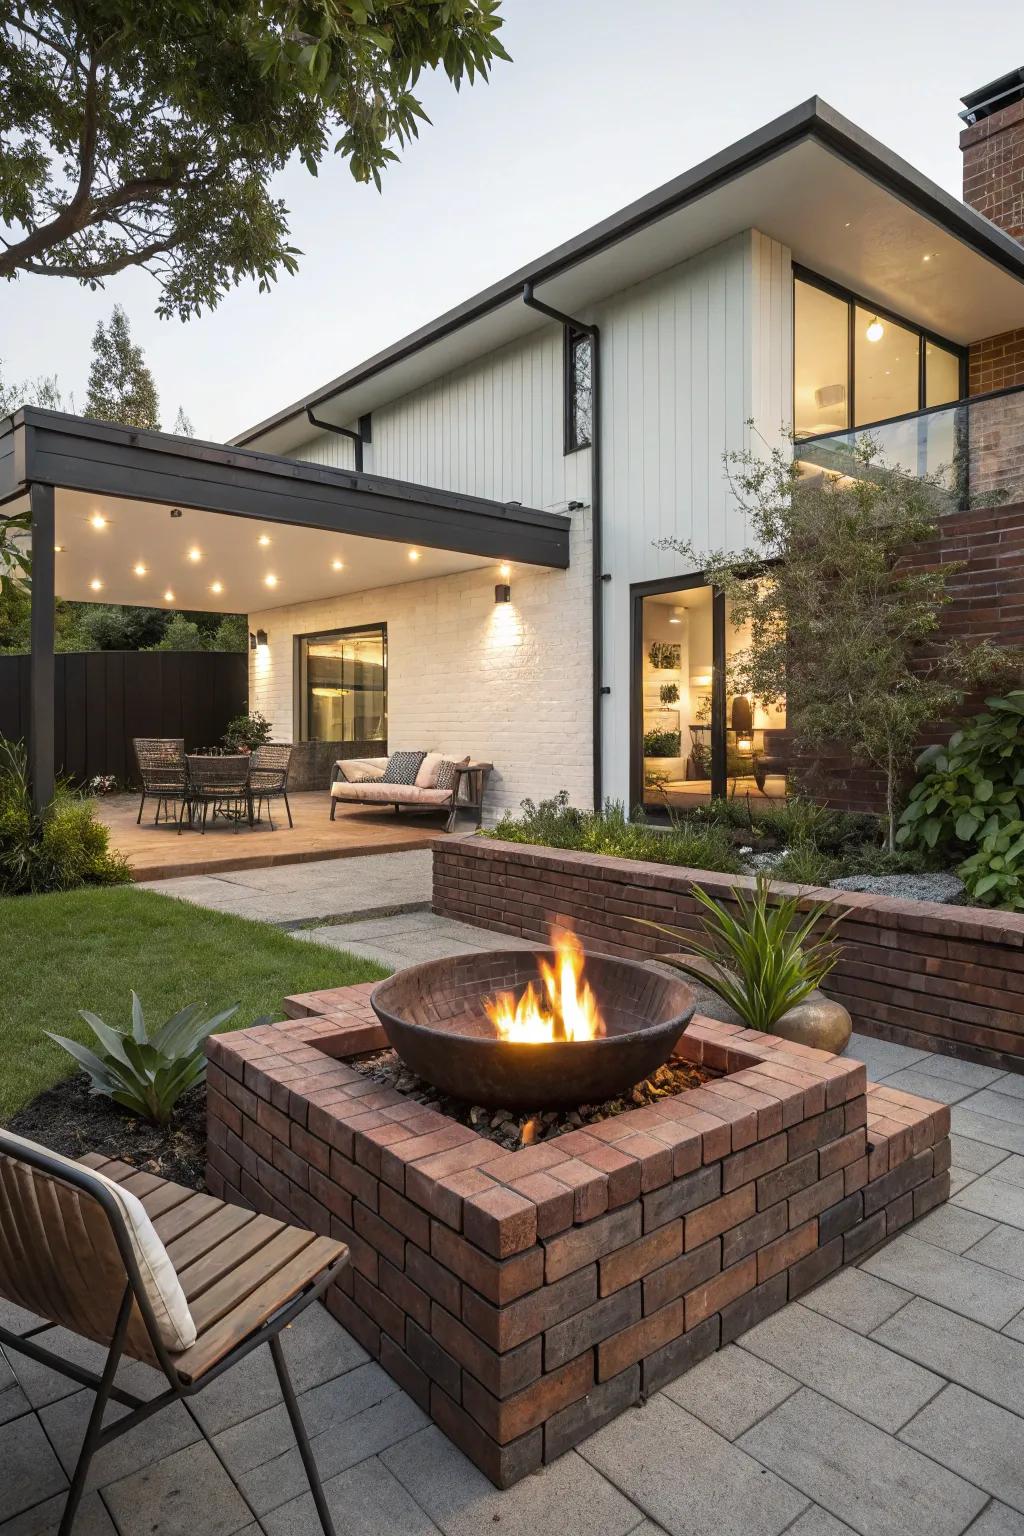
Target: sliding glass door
{"type": "Point", "coordinates": [343, 687]}
{"type": "Point", "coordinates": [694, 737]}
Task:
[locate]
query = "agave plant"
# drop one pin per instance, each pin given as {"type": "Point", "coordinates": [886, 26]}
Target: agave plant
{"type": "Point", "coordinates": [763, 958]}
{"type": "Point", "coordinates": [147, 1071]}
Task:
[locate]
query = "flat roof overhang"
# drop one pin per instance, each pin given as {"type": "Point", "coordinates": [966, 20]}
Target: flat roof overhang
{"type": "Point", "coordinates": [228, 498]}
{"type": "Point", "coordinates": [843, 203]}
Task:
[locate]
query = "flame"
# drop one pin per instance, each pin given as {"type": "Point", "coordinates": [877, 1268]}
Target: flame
{"type": "Point", "coordinates": [568, 1011]}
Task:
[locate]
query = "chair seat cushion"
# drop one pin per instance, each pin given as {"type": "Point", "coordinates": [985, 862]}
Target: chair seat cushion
{"type": "Point", "coordinates": [174, 1320]}
{"type": "Point", "coordinates": [389, 794]}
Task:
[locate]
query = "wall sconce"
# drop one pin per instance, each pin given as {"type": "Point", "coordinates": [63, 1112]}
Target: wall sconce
{"type": "Point", "coordinates": [261, 638]}
{"type": "Point", "coordinates": [744, 744]}
{"type": "Point", "coordinates": [252, 641]}
{"type": "Point", "coordinates": [502, 593]}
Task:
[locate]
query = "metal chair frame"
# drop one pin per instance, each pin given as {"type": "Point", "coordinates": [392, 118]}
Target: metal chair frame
{"type": "Point", "coordinates": [164, 776]}
{"type": "Point", "coordinates": [97, 1434]}
{"type": "Point", "coordinates": [268, 778]}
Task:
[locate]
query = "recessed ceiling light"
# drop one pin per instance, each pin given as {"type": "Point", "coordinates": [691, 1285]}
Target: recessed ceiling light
{"type": "Point", "coordinates": [139, 569]}
{"type": "Point", "coordinates": [505, 569]}
{"type": "Point", "coordinates": [217, 586]}
{"type": "Point", "coordinates": [414, 554]}
{"type": "Point", "coordinates": [98, 520]}
{"type": "Point", "coordinates": [96, 585]}
{"type": "Point", "coordinates": [195, 554]}
{"type": "Point", "coordinates": [270, 581]}
{"type": "Point", "coordinates": [58, 549]}
{"type": "Point", "coordinates": [337, 565]}
{"type": "Point", "coordinates": [927, 256]}
{"type": "Point", "coordinates": [168, 596]}
{"type": "Point", "coordinates": [263, 539]}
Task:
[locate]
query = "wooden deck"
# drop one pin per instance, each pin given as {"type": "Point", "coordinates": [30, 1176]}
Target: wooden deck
{"type": "Point", "coordinates": [160, 852]}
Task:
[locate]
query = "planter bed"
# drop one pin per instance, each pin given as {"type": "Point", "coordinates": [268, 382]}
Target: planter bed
{"type": "Point", "coordinates": [525, 1298]}
{"type": "Point", "coordinates": [934, 977]}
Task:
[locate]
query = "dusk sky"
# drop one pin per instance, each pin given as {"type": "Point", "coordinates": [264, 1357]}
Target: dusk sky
{"type": "Point", "coordinates": [604, 100]}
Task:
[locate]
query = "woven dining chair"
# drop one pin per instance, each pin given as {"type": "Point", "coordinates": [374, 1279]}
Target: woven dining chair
{"type": "Point", "coordinates": [151, 1271]}
{"type": "Point", "coordinates": [268, 777]}
{"type": "Point", "coordinates": [218, 781]}
{"type": "Point", "coordinates": [164, 775]}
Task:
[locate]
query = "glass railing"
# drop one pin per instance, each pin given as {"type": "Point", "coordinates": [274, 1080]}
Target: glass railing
{"type": "Point", "coordinates": [972, 452]}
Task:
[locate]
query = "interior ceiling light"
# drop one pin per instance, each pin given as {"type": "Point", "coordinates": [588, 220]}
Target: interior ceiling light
{"type": "Point", "coordinates": [98, 520]}
{"type": "Point", "coordinates": [217, 586]}
{"type": "Point", "coordinates": [195, 554]}
{"type": "Point", "coordinates": [875, 331]}
{"type": "Point", "coordinates": [263, 539]}
{"type": "Point", "coordinates": [270, 581]}
{"type": "Point", "coordinates": [139, 569]}
{"type": "Point", "coordinates": [96, 585]}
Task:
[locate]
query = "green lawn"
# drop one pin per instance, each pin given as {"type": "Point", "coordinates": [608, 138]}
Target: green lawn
{"type": "Point", "coordinates": [89, 948]}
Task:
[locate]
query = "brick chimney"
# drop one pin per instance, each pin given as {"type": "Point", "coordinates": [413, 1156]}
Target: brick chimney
{"type": "Point", "coordinates": [992, 144]}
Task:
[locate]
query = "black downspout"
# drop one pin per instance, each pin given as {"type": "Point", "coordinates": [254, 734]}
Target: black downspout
{"type": "Point", "coordinates": [597, 575]}
{"type": "Point", "coordinates": [363, 435]}
{"type": "Point", "coordinates": [41, 663]}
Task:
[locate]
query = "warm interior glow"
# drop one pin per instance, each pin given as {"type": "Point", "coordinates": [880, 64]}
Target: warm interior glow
{"type": "Point", "coordinates": [875, 331]}
{"type": "Point", "coordinates": [564, 1009]}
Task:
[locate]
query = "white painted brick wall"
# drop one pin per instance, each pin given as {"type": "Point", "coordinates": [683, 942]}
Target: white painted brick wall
{"type": "Point", "coordinates": [506, 683]}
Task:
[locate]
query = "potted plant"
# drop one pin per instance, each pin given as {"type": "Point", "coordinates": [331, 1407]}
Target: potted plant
{"type": "Point", "coordinates": [669, 693]}
{"type": "Point", "coordinates": [765, 962]}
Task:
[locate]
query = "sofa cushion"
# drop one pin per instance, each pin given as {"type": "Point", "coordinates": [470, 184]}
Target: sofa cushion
{"type": "Point", "coordinates": [361, 770]}
{"type": "Point", "coordinates": [438, 771]}
{"type": "Point", "coordinates": [389, 794]}
{"type": "Point", "coordinates": [402, 767]}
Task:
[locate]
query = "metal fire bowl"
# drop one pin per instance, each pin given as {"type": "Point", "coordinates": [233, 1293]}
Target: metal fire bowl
{"type": "Point", "coordinates": [433, 1016]}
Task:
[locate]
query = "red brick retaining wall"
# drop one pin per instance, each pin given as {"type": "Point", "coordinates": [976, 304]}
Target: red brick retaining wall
{"type": "Point", "coordinates": [526, 1298]}
{"type": "Point", "coordinates": [939, 978]}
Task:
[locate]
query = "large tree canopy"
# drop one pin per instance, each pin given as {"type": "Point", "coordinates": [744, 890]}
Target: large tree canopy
{"type": "Point", "coordinates": [147, 134]}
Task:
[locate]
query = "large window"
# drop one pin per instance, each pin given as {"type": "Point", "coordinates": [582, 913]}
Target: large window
{"type": "Point", "coordinates": [579, 389]}
{"type": "Point", "coordinates": [854, 364]}
{"type": "Point", "coordinates": [344, 687]}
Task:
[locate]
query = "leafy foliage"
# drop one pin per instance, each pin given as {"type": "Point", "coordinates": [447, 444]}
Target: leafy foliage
{"type": "Point", "coordinates": [149, 135]}
{"type": "Point", "coordinates": [121, 387]}
{"type": "Point", "coordinates": [147, 1071]}
{"type": "Point", "coordinates": [63, 847]}
{"type": "Point", "coordinates": [762, 959]}
{"type": "Point", "coordinates": [805, 864]}
{"type": "Point", "coordinates": [841, 627]}
{"type": "Point", "coordinates": [247, 732]}
{"type": "Point", "coordinates": [555, 823]}
{"type": "Point", "coordinates": [994, 875]}
{"type": "Point", "coordinates": [661, 743]}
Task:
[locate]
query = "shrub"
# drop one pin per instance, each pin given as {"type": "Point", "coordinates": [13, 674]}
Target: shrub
{"type": "Point", "coordinates": [147, 1073]}
{"type": "Point", "coordinates": [804, 864]}
{"type": "Point", "coordinates": [994, 875]}
{"type": "Point", "coordinates": [661, 743]}
{"type": "Point", "coordinates": [871, 859]}
{"type": "Point", "coordinates": [247, 732]}
{"type": "Point", "coordinates": [762, 959]}
{"type": "Point", "coordinates": [970, 786]}
{"type": "Point", "coordinates": [557, 824]}
{"type": "Point", "coordinates": [63, 847]}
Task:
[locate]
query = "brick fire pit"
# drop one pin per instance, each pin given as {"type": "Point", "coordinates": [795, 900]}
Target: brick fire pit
{"type": "Point", "coordinates": [524, 1299]}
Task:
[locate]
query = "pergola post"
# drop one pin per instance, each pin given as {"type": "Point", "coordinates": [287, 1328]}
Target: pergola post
{"type": "Point", "coordinates": [41, 663]}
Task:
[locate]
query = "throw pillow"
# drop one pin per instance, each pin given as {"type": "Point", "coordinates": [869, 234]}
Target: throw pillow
{"type": "Point", "coordinates": [402, 768]}
{"type": "Point", "coordinates": [446, 773]}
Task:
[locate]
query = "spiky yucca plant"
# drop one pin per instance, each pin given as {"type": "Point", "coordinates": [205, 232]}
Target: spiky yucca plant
{"type": "Point", "coordinates": [146, 1071]}
{"type": "Point", "coordinates": [763, 958]}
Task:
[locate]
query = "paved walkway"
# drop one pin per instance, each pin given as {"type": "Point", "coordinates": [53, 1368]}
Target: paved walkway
{"type": "Point", "coordinates": [889, 1402]}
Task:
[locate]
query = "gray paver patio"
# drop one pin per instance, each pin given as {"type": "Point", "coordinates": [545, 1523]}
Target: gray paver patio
{"type": "Point", "coordinates": [888, 1402]}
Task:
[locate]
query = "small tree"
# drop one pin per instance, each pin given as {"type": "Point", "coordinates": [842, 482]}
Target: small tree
{"type": "Point", "coordinates": [121, 387]}
{"type": "Point", "coordinates": [842, 629]}
{"type": "Point", "coordinates": [183, 424]}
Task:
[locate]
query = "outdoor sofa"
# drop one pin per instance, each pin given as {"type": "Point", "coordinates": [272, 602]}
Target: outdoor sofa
{"type": "Point", "coordinates": [436, 784]}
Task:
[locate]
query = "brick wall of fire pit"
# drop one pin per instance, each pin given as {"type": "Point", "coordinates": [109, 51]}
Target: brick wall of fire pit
{"type": "Point", "coordinates": [937, 978]}
{"type": "Point", "coordinates": [526, 1298]}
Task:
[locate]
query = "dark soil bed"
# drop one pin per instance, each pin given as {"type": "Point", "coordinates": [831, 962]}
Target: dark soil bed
{"type": "Point", "coordinates": [521, 1129]}
{"type": "Point", "coordinates": [69, 1119]}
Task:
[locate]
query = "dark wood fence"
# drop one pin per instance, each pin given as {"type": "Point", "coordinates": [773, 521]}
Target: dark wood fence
{"type": "Point", "coordinates": [104, 698]}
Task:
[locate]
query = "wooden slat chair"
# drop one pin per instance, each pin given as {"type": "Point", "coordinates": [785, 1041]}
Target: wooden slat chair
{"type": "Point", "coordinates": [67, 1255]}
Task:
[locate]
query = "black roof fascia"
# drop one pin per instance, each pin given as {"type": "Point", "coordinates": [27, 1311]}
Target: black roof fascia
{"type": "Point", "coordinates": [50, 448]}
{"type": "Point", "coordinates": [813, 120]}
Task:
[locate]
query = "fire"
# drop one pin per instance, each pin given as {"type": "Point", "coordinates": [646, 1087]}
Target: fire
{"type": "Point", "coordinates": [563, 1008]}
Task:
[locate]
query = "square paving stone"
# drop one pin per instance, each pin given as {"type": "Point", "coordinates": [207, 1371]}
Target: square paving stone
{"type": "Point", "coordinates": [935, 1064]}
{"type": "Point", "coordinates": [568, 1498]}
{"type": "Point", "coordinates": [986, 1295]}
{"type": "Point", "coordinates": [958, 1180]}
{"type": "Point", "coordinates": [365, 1501]}
{"type": "Point", "coordinates": [857, 1300]}
{"type": "Point", "coordinates": [998, 1520]}
{"type": "Point", "coordinates": [985, 1362]}
{"type": "Point", "coordinates": [993, 1196]}
{"type": "Point", "coordinates": [999, 1106]}
{"type": "Point", "coordinates": [942, 1089]}
{"type": "Point", "coordinates": [817, 1522]}
{"type": "Point", "coordinates": [975, 1156]}
{"type": "Point", "coordinates": [65, 1421]}
{"type": "Point", "coordinates": [1011, 1170]}
{"type": "Point", "coordinates": [31, 1472]}
{"type": "Point", "coordinates": [882, 1057]}
{"type": "Point", "coordinates": [688, 1478]}
{"type": "Point", "coordinates": [317, 1350]}
{"type": "Point", "coordinates": [731, 1390]}
{"type": "Point", "coordinates": [187, 1494]}
{"type": "Point", "coordinates": [91, 1518]}
{"type": "Point", "coordinates": [16, 1319]}
{"type": "Point", "coordinates": [858, 1473]}
{"type": "Point", "coordinates": [968, 1435]}
{"type": "Point", "coordinates": [853, 1371]}
{"type": "Point", "coordinates": [994, 1132]}
{"type": "Point", "coordinates": [1002, 1248]}
{"type": "Point", "coordinates": [952, 1227]}
{"type": "Point", "coordinates": [42, 1385]}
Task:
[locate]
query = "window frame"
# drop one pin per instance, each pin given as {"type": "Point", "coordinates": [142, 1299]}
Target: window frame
{"type": "Point", "coordinates": [300, 682]}
{"type": "Point", "coordinates": [571, 338]}
{"type": "Point", "coordinates": [853, 301]}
